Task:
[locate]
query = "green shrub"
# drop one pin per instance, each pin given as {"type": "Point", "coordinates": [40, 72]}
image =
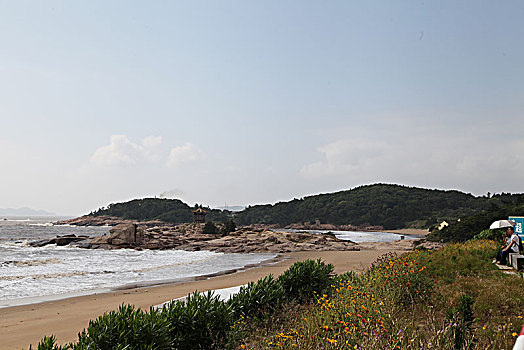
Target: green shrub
{"type": "Point", "coordinates": [47, 343]}
{"type": "Point", "coordinates": [209, 228]}
{"type": "Point", "coordinates": [494, 235]}
{"type": "Point", "coordinates": [257, 298]}
{"type": "Point", "coordinates": [304, 278]}
{"type": "Point", "coordinates": [201, 322]}
{"type": "Point", "coordinates": [127, 328]}
{"type": "Point", "coordinates": [228, 227]}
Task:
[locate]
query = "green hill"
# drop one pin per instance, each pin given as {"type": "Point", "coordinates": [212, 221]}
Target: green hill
{"type": "Point", "coordinates": [469, 226]}
{"type": "Point", "coordinates": [390, 206]}
{"type": "Point", "coordinates": [168, 210]}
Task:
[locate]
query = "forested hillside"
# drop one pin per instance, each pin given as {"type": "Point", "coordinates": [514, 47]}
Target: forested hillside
{"type": "Point", "coordinates": [169, 210]}
{"type": "Point", "coordinates": [391, 206]}
{"type": "Point", "coordinates": [469, 226]}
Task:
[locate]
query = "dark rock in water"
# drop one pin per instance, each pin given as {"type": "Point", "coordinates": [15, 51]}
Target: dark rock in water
{"type": "Point", "coordinates": [84, 245]}
{"type": "Point", "coordinates": [59, 240]}
{"type": "Point", "coordinates": [39, 243]}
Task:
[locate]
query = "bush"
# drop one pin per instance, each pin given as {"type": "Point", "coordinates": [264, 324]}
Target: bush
{"type": "Point", "coordinates": [127, 328]}
{"type": "Point", "coordinates": [494, 235]}
{"type": "Point", "coordinates": [304, 278]}
{"type": "Point", "coordinates": [47, 343]}
{"type": "Point", "coordinates": [209, 228]}
{"type": "Point", "coordinates": [228, 227]}
{"type": "Point", "coordinates": [257, 298]}
{"type": "Point", "coordinates": [201, 322]}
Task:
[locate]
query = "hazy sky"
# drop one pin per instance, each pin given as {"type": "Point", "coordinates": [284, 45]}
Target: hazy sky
{"type": "Point", "coordinates": [248, 102]}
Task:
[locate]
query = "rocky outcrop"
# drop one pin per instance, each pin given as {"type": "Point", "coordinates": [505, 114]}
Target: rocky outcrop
{"type": "Point", "coordinates": [189, 237]}
{"type": "Point", "coordinates": [121, 236]}
{"type": "Point", "coordinates": [319, 226]}
{"type": "Point", "coordinates": [59, 240]}
{"type": "Point", "coordinates": [245, 240]}
{"type": "Point", "coordinates": [88, 220]}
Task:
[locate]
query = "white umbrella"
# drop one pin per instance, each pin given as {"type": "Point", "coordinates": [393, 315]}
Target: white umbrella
{"type": "Point", "coordinates": [502, 224]}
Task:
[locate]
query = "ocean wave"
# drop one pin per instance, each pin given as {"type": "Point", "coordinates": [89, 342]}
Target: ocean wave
{"type": "Point", "coordinates": [36, 262]}
{"type": "Point", "coordinates": [182, 263]}
{"type": "Point", "coordinates": [40, 276]}
{"type": "Point", "coordinates": [17, 244]}
{"type": "Point", "coordinates": [46, 224]}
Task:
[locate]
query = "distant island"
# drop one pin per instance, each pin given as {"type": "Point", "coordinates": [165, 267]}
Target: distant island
{"type": "Point", "coordinates": [232, 207]}
{"type": "Point", "coordinates": [25, 211]}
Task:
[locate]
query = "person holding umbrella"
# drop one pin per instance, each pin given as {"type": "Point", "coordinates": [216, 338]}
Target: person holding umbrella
{"type": "Point", "coordinates": [512, 246]}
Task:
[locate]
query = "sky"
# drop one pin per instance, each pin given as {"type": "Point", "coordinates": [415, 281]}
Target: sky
{"type": "Point", "coordinates": [251, 102]}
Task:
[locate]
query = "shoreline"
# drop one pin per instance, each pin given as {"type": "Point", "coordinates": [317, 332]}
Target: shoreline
{"type": "Point", "coordinates": [135, 285]}
{"type": "Point", "coordinates": [23, 325]}
{"type": "Point", "coordinates": [414, 232]}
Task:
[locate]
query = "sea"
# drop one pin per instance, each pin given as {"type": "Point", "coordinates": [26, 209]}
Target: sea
{"type": "Point", "coordinates": [360, 236]}
{"type": "Point", "coordinates": [34, 274]}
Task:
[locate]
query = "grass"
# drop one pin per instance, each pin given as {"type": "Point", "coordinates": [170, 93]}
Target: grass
{"type": "Point", "coordinates": [453, 298]}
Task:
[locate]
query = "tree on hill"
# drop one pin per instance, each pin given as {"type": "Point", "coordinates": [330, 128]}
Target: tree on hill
{"type": "Point", "coordinates": [168, 210]}
{"type": "Point", "coordinates": [470, 226]}
{"type": "Point", "coordinates": [390, 206]}
{"type": "Point", "coordinates": [228, 227]}
{"type": "Point", "coordinates": [209, 228]}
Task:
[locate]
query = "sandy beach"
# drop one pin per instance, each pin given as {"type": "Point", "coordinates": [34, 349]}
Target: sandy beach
{"type": "Point", "coordinates": [21, 326]}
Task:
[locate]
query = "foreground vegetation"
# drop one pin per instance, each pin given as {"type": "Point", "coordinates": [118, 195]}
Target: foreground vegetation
{"type": "Point", "coordinates": [202, 321]}
{"type": "Point", "coordinates": [452, 298]}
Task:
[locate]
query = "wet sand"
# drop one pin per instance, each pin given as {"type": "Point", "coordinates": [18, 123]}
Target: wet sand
{"type": "Point", "coordinates": [21, 326]}
{"type": "Point", "coordinates": [410, 232]}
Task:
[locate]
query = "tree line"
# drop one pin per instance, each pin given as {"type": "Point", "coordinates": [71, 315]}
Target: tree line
{"type": "Point", "coordinates": [387, 205]}
{"type": "Point", "coordinates": [168, 210]}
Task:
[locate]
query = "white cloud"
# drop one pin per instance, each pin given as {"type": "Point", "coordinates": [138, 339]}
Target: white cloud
{"type": "Point", "coordinates": [183, 154]}
{"type": "Point", "coordinates": [122, 151]}
{"type": "Point", "coordinates": [151, 146]}
{"type": "Point", "coordinates": [468, 162]}
{"type": "Point", "coordinates": [343, 156]}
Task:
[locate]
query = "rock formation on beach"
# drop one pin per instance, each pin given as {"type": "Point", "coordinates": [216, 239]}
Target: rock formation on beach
{"type": "Point", "coordinates": [159, 235]}
{"type": "Point", "coordinates": [103, 220]}
{"type": "Point", "coordinates": [247, 239]}
{"type": "Point", "coordinates": [189, 237]}
{"type": "Point", "coordinates": [88, 220]}
{"type": "Point", "coordinates": [59, 240]}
